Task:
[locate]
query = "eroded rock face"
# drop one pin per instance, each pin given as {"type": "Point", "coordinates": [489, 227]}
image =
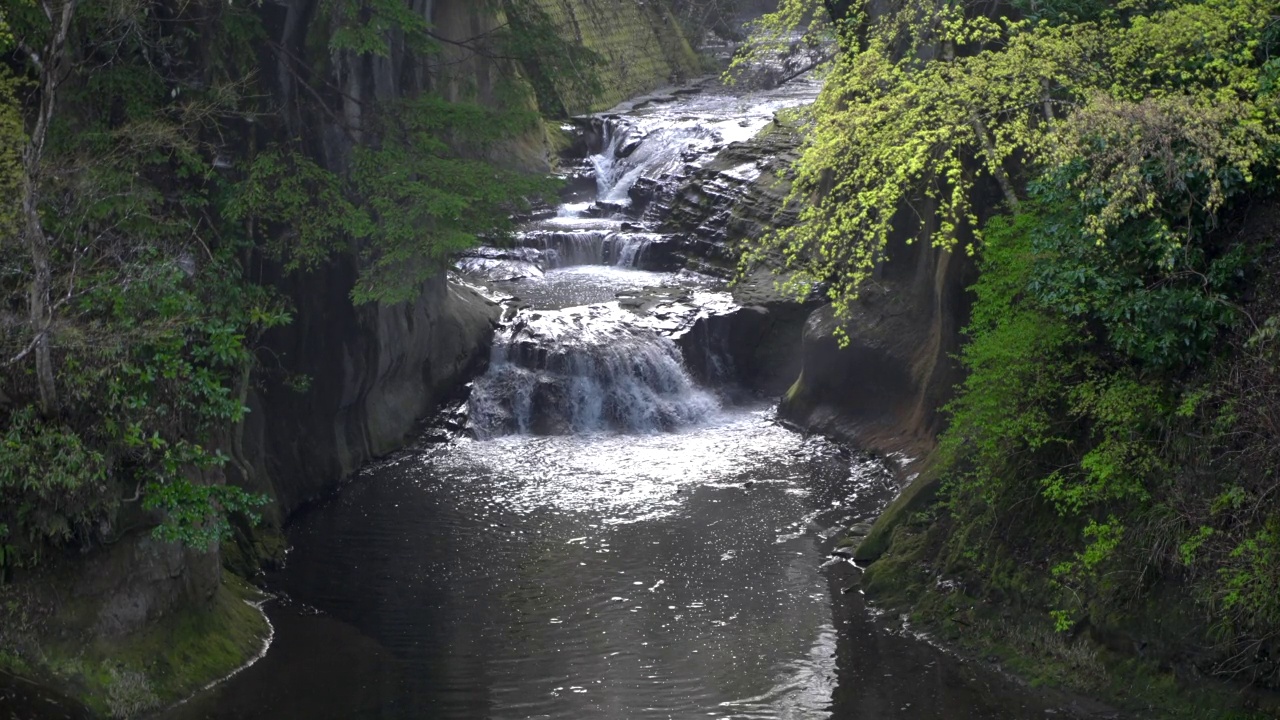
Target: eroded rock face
{"type": "Point", "coordinates": [884, 390]}
{"type": "Point", "coordinates": [755, 346]}
{"type": "Point", "coordinates": [738, 196]}
{"type": "Point", "coordinates": [374, 371]}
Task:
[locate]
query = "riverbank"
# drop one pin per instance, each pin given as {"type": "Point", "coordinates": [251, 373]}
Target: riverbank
{"type": "Point", "coordinates": [1010, 630]}
{"type": "Point", "coordinates": [140, 673]}
{"type": "Point", "coordinates": [316, 385]}
{"type": "Point", "coordinates": [624, 530]}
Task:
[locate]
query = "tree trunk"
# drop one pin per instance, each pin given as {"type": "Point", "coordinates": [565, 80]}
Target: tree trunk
{"type": "Point", "coordinates": [50, 69]}
{"type": "Point", "coordinates": [40, 317]}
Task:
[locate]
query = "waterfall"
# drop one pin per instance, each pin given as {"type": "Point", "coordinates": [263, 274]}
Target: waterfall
{"type": "Point", "coordinates": [632, 149]}
{"type": "Point", "coordinates": [609, 163]}
{"type": "Point", "coordinates": [589, 247]}
{"type": "Point", "coordinates": [583, 370]}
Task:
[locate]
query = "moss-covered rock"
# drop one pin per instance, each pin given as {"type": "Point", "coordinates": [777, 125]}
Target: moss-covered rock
{"type": "Point", "coordinates": [919, 494]}
{"type": "Point", "coordinates": [641, 47]}
{"type": "Point", "coordinates": [169, 660]}
{"type": "Point", "coordinates": [1001, 617]}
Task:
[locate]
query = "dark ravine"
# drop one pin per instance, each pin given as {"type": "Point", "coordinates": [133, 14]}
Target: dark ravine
{"type": "Point", "coordinates": [373, 372]}
{"type": "Point", "coordinates": [627, 535]}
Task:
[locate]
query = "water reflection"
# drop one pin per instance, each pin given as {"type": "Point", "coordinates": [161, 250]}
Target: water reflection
{"type": "Point", "coordinates": [610, 576]}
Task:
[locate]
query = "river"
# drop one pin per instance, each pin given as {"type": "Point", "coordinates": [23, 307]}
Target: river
{"type": "Point", "coordinates": [612, 536]}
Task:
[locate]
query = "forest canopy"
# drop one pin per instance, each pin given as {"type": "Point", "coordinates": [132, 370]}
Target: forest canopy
{"type": "Point", "coordinates": [1146, 112]}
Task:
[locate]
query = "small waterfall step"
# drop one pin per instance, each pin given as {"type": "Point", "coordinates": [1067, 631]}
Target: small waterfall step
{"type": "Point", "coordinates": [641, 250]}
{"type": "Point", "coordinates": [584, 370]}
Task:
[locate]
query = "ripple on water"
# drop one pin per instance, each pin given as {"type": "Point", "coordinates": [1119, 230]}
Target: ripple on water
{"type": "Point", "coordinates": [598, 576]}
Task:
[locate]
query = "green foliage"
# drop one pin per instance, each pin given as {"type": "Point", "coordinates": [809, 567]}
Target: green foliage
{"type": "Point", "coordinates": [930, 107]}
{"type": "Point", "coordinates": [773, 35]}
{"type": "Point", "coordinates": [12, 139]}
{"type": "Point", "coordinates": [1064, 425]}
{"type": "Point", "coordinates": [1062, 621]}
{"type": "Point", "coordinates": [164, 183]}
{"type": "Point", "coordinates": [154, 323]}
{"type": "Point", "coordinates": [1116, 426]}
{"type": "Point", "coordinates": [407, 206]}
{"type": "Point", "coordinates": [197, 514]}
{"type": "Point", "coordinates": [310, 215]}
{"type": "Point", "coordinates": [1252, 580]}
{"type": "Point", "coordinates": [366, 27]}
{"type": "Point", "coordinates": [1010, 417]}
{"type": "Point", "coordinates": [52, 486]}
{"type": "Point", "coordinates": [428, 198]}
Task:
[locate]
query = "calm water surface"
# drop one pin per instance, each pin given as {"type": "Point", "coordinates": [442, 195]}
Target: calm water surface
{"type": "Point", "coordinates": [671, 575]}
{"type": "Point", "coordinates": [612, 576]}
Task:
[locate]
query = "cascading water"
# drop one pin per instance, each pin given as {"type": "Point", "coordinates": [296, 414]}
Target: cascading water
{"type": "Point", "coordinates": [631, 151]}
{"type": "Point", "coordinates": [565, 248]}
{"type": "Point", "coordinates": [560, 368]}
{"type": "Point", "coordinates": [584, 370]}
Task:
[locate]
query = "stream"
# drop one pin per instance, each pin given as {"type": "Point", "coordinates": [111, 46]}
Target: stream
{"type": "Point", "coordinates": [613, 535]}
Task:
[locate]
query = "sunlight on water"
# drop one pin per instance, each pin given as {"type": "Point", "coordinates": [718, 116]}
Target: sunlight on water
{"type": "Point", "coordinates": [602, 574]}
{"type": "Point", "coordinates": [626, 545]}
{"type": "Point", "coordinates": [661, 138]}
{"type": "Point", "coordinates": [590, 284]}
{"type": "Point", "coordinates": [626, 478]}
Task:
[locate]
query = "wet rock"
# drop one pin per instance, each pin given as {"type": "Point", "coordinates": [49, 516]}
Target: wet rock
{"type": "Point", "coordinates": [549, 403]}
{"type": "Point", "coordinates": [510, 311]}
{"type": "Point", "coordinates": [603, 208]}
{"type": "Point", "coordinates": [861, 529]}
{"type": "Point", "coordinates": [629, 147]}
{"type": "Point", "coordinates": [642, 193]}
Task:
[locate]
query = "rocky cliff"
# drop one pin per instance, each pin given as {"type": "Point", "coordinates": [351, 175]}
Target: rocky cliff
{"type": "Point", "coordinates": [885, 389]}
{"type": "Point", "coordinates": [639, 44]}
{"type": "Point", "coordinates": [374, 371]}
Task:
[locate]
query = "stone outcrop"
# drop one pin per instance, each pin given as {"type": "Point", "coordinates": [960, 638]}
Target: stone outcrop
{"type": "Point", "coordinates": [884, 391]}
{"type": "Point", "coordinates": [374, 371]}
{"type": "Point", "coordinates": [121, 588]}
{"type": "Point", "coordinates": [738, 197]}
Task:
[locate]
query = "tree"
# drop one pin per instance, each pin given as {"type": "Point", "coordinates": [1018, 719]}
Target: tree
{"type": "Point", "coordinates": [148, 179]}
{"type": "Point", "coordinates": [1120, 397]}
{"type": "Point", "coordinates": [927, 102]}
{"type": "Point", "coordinates": [137, 328]}
{"type": "Point", "coordinates": [48, 58]}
